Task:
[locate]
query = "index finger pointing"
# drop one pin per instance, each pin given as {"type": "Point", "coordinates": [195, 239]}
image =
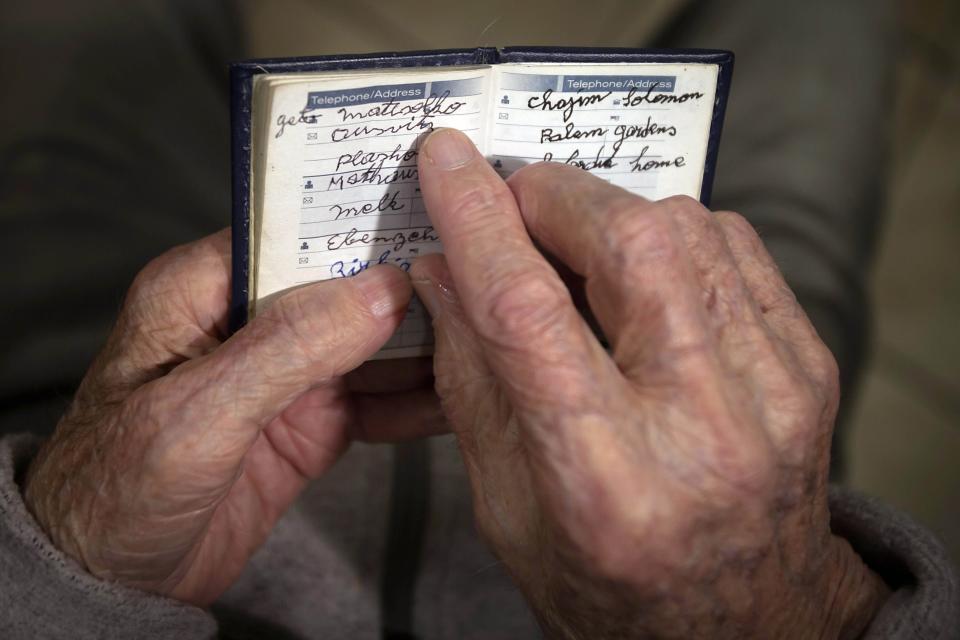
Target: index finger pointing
{"type": "Point", "coordinates": [533, 337]}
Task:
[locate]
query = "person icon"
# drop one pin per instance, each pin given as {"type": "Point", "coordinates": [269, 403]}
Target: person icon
{"type": "Point", "coordinates": [497, 164]}
{"type": "Point", "coordinates": [505, 100]}
{"type": "Point", "coordinates": [304, 246]}
{"type": "Point", "coordinates": [309, 185]}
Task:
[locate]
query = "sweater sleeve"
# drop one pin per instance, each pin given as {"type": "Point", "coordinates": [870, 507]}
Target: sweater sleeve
{"type": "Point", "coordinates": [45, 594]}
{"type": "Point", "coordinates": [925, 598]}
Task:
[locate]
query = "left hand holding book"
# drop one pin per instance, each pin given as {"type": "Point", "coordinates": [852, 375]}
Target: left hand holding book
{"type": "Point", "coordinates": [182, 449]}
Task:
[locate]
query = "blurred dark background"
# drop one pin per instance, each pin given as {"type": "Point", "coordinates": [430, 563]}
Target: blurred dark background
{"type": "Point", "coordinates": [902, 424]}
{"type": "Point", "coordinates": [904, 440]}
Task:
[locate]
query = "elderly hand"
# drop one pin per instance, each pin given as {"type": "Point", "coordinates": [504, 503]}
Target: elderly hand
{"type": "Point", "coordinates": [181, 450]}
{"type": "Point", "coordinates": [675, 486]}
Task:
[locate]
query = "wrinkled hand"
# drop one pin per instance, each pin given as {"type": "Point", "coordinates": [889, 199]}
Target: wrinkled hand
{"type": "Point", "coordinates": [675, 486]}
{"type": "Point", "coordinates": [181, 451]}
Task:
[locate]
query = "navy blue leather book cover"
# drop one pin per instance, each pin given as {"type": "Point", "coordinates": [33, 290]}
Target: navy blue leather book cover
{"type": "Point", "coordinates": [241, 92]}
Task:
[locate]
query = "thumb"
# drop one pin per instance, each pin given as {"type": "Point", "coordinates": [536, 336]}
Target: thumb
{"type": "Point", "coordinates": [463, 379]}
{"type": "Point", "coordinates": [306, 338]}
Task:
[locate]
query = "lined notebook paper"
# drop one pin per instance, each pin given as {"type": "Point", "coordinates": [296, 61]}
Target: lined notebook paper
{"type": "Point", "coordinates": [333, 178]}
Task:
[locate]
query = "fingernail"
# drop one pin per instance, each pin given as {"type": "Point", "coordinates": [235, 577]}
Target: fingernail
{"type": "Point", "coordinates": [382, 290]}
{"type": "Point", "coordinates": [448, 149]}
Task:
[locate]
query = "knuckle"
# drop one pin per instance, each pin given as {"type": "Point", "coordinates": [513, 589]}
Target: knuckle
{"type": "Point", "coordinates": [318, 323]}
{"type": "Point", "coordinates": [153, 307]}
{"type": "Point", "coordinates": [735, 225]}
{"type": "Point", "coordinates": [695, 222]}
{"type": "Point", "coordinates": [150, 278]}
{"type": "Point", "coordinates": [687, 207]}
{"type": "Point", "coordinates": [641, 235]}
{"type": "Point", "coordinates": [736, 222]}
{"type": "Point", "coordinates": [824, 366]}
{"type": "Point", "coordinates": [779, 297]}
{"type": "Point", "coordinates": [523, 305]}
{"type": "Point", "coordinates": [619, 202]}
{"type": "Point", "coordinates": [175, 278]}
{"type": "Point", "coordinates": [800, 408]}
{"type": "Point", "coordinates": [824, 371]}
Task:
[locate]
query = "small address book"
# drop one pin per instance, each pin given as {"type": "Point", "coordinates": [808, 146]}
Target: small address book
{"type": "Point", "coordinates": [324, 149]}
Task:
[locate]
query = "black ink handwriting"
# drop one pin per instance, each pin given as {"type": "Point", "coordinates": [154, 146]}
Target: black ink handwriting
{"type": "Point", "coordinates": [565, 105]}
{"type": "Point", "coordinates": [387, 203]}
{"type": "Point", "coordinates": [399, 239]}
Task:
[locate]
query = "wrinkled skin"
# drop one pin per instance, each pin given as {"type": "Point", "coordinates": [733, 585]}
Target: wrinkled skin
{"type": "Point", "coordinates": [675, 487]}
{"type": "Point", "coordinates": [181, 451]}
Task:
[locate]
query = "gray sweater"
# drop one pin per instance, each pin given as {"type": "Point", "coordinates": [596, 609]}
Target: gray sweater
{"type": "Point", "coordinates": [319, 574]}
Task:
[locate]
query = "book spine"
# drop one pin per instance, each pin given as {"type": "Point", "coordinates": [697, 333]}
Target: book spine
{"type": "Point", "coordinates": [241, 86]}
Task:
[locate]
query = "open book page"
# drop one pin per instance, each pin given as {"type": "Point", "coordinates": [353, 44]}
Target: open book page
{"type": "Point", "coordinates": [643, 127]}
{"type": "Point", "coordinates": [335, 186]}
{"type": "Point", "coordinates": [340, 189]}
